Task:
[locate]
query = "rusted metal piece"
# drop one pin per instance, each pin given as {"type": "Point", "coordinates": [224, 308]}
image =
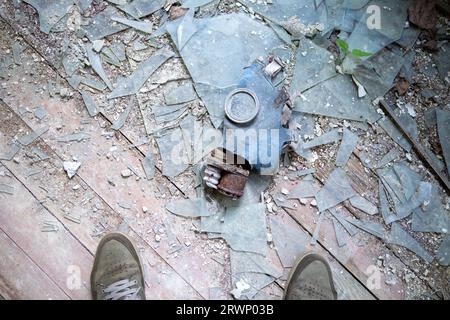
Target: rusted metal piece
{"type": "Point", "coordinates": [417, 146]}
{"type": "Point", "coordinates": [228, 179]}
{"type": "Point", "coordinates": [232, 184]}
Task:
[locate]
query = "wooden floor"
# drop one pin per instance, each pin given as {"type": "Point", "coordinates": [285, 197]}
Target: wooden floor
{"type": "Point", "coordinates": [57, 265]}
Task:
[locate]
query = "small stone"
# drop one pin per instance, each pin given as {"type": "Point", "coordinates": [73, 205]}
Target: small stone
{"type": "Point", "coordinates": [126, 173]}
{"type": "Point", "coordinates": [76, 187]}
{"type": "Point", "coordinates": [71, 168]}
{"type": "Point", "coordinates": [157, 238]}
{"type": "Point", "coordinates": [144, 209]}
{"type": "Point", "coordinates": [284, 191]}
{"type": "Point", "coordinates": [64, 92]}
{"type": "Point", "coordinates": [313, 203]}
{"type": "Point", "coordinates": [269, 238]}
{"type": "Point", "coordinates": [303, 201]}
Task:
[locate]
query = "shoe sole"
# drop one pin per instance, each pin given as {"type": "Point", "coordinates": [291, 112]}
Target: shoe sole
{"type": "Point", "coordinates": [126, 241]}
{"type": "Point", "coordinates": [303, 259]}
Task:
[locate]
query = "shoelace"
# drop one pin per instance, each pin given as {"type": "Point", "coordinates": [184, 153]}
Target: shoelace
{"type": "Point", "coordinates": [122, 289]}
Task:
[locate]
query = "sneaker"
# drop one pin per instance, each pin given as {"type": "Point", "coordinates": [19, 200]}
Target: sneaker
{"type": "Point", "coordinates": [310, 279]}
{"type": "Point", "coordinates": [117, 272]}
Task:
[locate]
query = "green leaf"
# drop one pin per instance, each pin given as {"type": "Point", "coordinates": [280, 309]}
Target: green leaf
{"type": "Point", "coordinates": [359, 53]}
{"type": "Point", "coordinates": [343, 45]}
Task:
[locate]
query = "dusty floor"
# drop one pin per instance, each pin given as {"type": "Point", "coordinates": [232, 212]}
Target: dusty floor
{"type": "Point", "coordinates": [50, 225]}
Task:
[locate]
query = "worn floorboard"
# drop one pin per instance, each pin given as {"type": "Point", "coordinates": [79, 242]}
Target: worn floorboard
{"type": "Point", "coordinates": [21, 278]}
{"type": "Point", "coordinates": [57, 194]}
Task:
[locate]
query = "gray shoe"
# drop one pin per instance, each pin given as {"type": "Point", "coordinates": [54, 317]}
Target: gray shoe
{"type": "Point", "coordinates": [310, 279]}
{"type": "Point", "coordinates": [117, 272]}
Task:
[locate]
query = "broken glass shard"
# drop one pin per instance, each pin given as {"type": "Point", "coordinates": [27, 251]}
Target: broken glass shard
{"type": "Point", "coordinates": [409, 37]}
{"type": "Point", "coordinates": [93, 83]}
{"type": "Point", "coordinates": [244, 228]}
{"type": "Point", "coordinates": [185, 30]}
{"type": "Point", "coordinates": [90, 104]}
{"type": "Point", "coordinates": [443, 125]}
{"type": "Point", "coordinates": [168, 113]}
{"type": "Point", "coordinates": [336, 189]}
{"type": "Point", "coordinates": [148, 164]}
{"type": "Point", "coordinates": [248, 262]}
{"type": "Point", "coordinates": [339, 233]}
{"type": "Point", "coordinates": [125, 205]}
{"type": "Point", "coordinates": [388, 217]}
{"type": "Point", "coordinates": [181, 94]}
{"type": "Point", "coordinates": [317, 229]}
{"type": "Point", "coordinates": [364, 205]}
{"type": "Point", "coordinates": [373, 228]}
{"type": "Point", "coordinates": [11, 150]}
{"type": "Point", "coordinates": [96, 64]}
{"type": "Point", "coordinates": [389, 157]}
{"type": "Point", "coordinates": [110, 57]}
{"type": "Point", "coordinates": [101, 24]}
{"type": "Point", "coordinates": [214, 223]}
{"type": "Point", "coordinates": [17, 50]}
{"type": "Point", "coordinates": [442, 61]}
{"type": "Point", "coordinates": [195, 3]}
{"type": "Point", "coordinates": [299, 149]}
{"type": "Point", "coordinates": [40, 113]}
{"type": "Point", "coordinates": [290, 242]}
{"type": "Point", "coordinates": [75, 81]}
{"type": "Point", "coordinates": [41, 154]}
{"type": "Point", "coordinates": [422, 195]}
{"type": "Point", "coordinates": [70, 65]}
{"type": "Point", "coordinates": [391, 129]}
{"type": "Point", "coordinates": [306, 172]}
{"type": "Point", "coordinates": [214, 99]}
{"type": "Point", "coordinates": [443, 253]}
{"type": "Point", "coordinates": [304, 189]}
{"type": "Point", "coordinates": [336, 98]}
{"type": "Point", "coordinates": [432, 217]}
{"type": "Point", "coordinates": [348, 144]}
{"type": "Point", "coordinates": [141, 8]}
{"type": "Point", "coordinates": [173, 153]}
{"type": "Point", "coordinates": [377, 73]}
{"type": "Point", "coordinates": [5, 63]}
{"type": "Point", "coordinates": [6, 189]}
{"type": "Point", "coordinates": [138, 45]}
{"type": "Point", "coordinates": [50, 12]}
{"type": "Point", "coordinates": [80, 136]}
{"type": "Point", "coordinates": [188, 208]}
{"type": "Point", "coordinates": [83, 4]}
{"type": "Point", "coordinates": [313, 65]}
{"type": "Point", "coordinates": [351, 229]}
{"type": "Point", "coordinates": [120, 122]}
{"type": "Point", "coordinates": [369, 37]}
{"type": "Point", "coordinates": [143, 26]}
{"type": "Point", "coordinates": [118, 49]}
{"type": "Point", "coordinates": [400, 237]}
{"type": "Point", "coordinates": [32, 136]}
{"type": "Point", "coordinates": [291, 14]}
{"type": "Point", "coordinates": [137, 79]}
{"type": "Point", "coordinates": [326, 138]}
